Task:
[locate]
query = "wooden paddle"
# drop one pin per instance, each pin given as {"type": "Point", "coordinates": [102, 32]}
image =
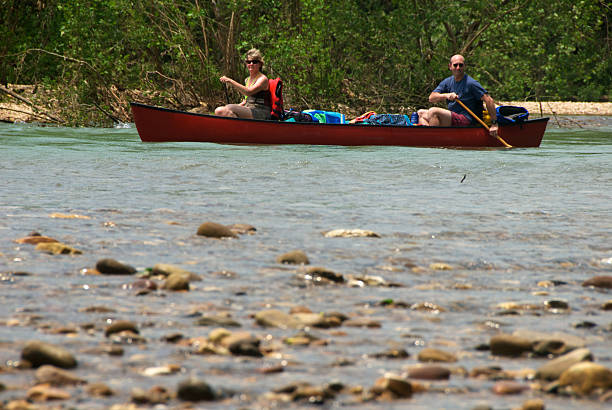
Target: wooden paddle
{"type": "Point", "coordinates": [226, 95]}
{"type": "Point", "coordinates": [482, 122]}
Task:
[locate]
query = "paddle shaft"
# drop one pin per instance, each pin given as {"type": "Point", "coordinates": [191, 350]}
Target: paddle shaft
{"type": "Point", "coordinates": [226, 95]}
{"type": "Point", "coordinates": [482, 122]}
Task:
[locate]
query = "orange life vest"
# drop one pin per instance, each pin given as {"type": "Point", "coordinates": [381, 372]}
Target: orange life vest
{"type": "Point", "coordinates": [276, 98]}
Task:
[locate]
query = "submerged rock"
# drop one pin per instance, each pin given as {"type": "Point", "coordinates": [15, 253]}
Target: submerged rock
{"type": "Point", "coordinates": [194, 389]}
{"type": "Point", "coordinates": [41, 353]}
{"type": "Point", "coordinates": [599, 282]}
{"type": "Point", "coordinates": [277, 318]}
{"type": "Point", "coordinates": [429, 372]}
{"type": "Point", "coordinates": [110, 266]}
{"type": "Point", "coordinates": [215, 230]}
{"type": "Point", "coordinates": [121, 326]}
{"type": "Point", "coordinates": [295, 257]}
{"type": "Point", "coordinates": [56, 376]}
{"type": "Point", "coordinates": [351, 233]}
{"type": "Point", "coordinates": [57, 248]}
{"type": "Point", "coordinates": [436, 355]}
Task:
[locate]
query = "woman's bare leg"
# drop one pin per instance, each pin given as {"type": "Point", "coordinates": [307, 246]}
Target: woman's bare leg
{"type": "Point", "coordinates": [234, 110]}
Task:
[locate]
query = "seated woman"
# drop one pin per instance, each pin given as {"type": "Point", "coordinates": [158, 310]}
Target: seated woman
{"type": "Point", "coordinates": [256, 103]}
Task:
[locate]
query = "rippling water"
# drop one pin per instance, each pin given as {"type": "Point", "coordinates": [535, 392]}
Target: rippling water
{"type": "Point", "coordinates": [503, 219]}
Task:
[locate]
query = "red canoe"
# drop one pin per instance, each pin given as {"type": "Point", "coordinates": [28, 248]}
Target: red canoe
{"type": "Point", "coordinates": [156, 124]}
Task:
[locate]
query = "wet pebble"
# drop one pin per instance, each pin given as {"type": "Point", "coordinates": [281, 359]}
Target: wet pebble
{"type": "Point", "coordinates": [166, 270]}
{"type": "Point", "coordinates": [533, 404]}
{"type": "Point", "coordinates": [194, 389]}
{"type": "Point", "coordinates": [217, 320]}
{"type": "Point", "coordinates": [155, 395]}
{"type": "Point", "coordinates": [277, 318]}
{"type": "Point", "coordinates": [40, 353]}
{"type": "Point", "coordinates": [604, 282]}
{"type": "Point", "coordinates": [247, 346]}
{"type": "Point", "coordinates": [351, 233]}
{"type": "Point", "coordinates": [295, 257]}
{"type": "Point", "coordinates": [35, 239]}
{"type": "Point", "coordinates": [556, 305]}
{"type": "Point", "coordinates": [110, 266]}
{"type": "Point", "coordinates": [120, 326]}
{"type": "Point", "coordinates": [57, 248]}
{"type": "Point", "coordinates": [44, 392]}
{"type": "Point", "coordinates": [99, 390]}
{"type": "Point", "coordinates": [393, 386]}
{"type": "Point", "coordinates": [142, 286]}
{"type": "Point", "coordinates": [504, 344]}
{"type": "Point", "coordinates": [436, 355]}
{"type": "Point", "coordinates": [428, 372]}
{"type": "Point", "coordinates": [56, 376]}
{"type": "Point", "coordinates": [177, 282]}
{"type": "Point", "coordinates": [319, 274]}
{"type": "Point", "coordinates": [506, 387]}
{"type": "Point", "coordinates": [215, 230]}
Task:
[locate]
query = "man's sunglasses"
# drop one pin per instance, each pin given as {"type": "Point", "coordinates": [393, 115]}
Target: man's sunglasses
{"type": "Point", "coordinates": [252, 61]}
{"type": "Point", "coordinates": [458, 65]}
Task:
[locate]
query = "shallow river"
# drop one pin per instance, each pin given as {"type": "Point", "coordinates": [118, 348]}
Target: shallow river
{"type": "Point", "coordinates": [500, 222]}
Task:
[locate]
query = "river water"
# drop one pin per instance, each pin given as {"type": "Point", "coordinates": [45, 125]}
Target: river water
{"type": "Point", "coordinates": [503, 221]}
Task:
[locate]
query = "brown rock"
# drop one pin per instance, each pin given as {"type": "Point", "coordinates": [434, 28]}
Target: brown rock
{"type": "Point", "coordinates": [177, 282]}
{"type": "Point", "coordinates": [215, 230]}
{"type": "Point", "coordinates": [277, 318]}
{"type": "Point", "coordinates": [599, 282]}
{"type": "Point", "coordinates": [584, 377]}
{"type": "Point", "coordinates": [508, 345]}
{"type": "Point", "coordinates": [296, 257]}
{"type": "Point", "coordinates": [509, 387]}
{"type": "Point", "coordinates": [41, 353]}
{"type": "Point", "coordinates": [429, 372]}
{"type": "Point", "coordinates": [99, 390]}
{"type": "Point", "coordinates": [44, 392]}
{"type": "Point", "coordinates": [533, 404]}
{"type": "Point", "coordinates": [121, 326]}
{"type": "Point", "coordinates": [195, 390]}
{"type": "Point", "coordinates": [318, 272]}
{"type": "Point", "coordinates": [436, 355]}
{"type": "Point", "coordinates": [110, 266]}
{"type": "Point", "coordinates": [35, 239]}
{"type": "Point", "coordinates": [395, 384]}
{"type": "Point", "coordinates": [57, 248]}
{"type": "Point", "coordinates": [55, 376]}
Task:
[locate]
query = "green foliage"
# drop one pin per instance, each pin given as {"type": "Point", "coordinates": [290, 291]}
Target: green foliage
{"type": "Point", "coordinates": [385, 55]}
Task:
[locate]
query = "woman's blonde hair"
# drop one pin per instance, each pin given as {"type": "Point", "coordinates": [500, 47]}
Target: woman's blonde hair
{"type": "Point", "coordinates": [255, 54]}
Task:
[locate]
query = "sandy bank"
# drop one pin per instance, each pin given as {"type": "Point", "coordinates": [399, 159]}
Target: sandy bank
{"type": "Point", "coordinates": [564, 108]}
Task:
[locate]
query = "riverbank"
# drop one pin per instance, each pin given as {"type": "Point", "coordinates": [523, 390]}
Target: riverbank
{"type": "Point", "coordinates": [29, 104]}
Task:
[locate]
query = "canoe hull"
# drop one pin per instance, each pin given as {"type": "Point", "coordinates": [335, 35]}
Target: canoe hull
{"type": "Point", "coordinates": [156, 124]}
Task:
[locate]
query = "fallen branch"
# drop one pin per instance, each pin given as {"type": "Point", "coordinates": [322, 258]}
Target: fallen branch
{"type": "Point", "coordinates": [24, 112]}
{"type": "Point", "coordinates": [31, 104]}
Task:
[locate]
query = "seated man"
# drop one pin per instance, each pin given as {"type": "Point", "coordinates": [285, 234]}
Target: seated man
{"type": "Point", "coordinates": [464, 87]}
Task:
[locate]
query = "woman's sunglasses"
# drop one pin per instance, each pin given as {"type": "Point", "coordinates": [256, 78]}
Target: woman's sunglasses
{"type": "Point", "coordinates": [252, 61]}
